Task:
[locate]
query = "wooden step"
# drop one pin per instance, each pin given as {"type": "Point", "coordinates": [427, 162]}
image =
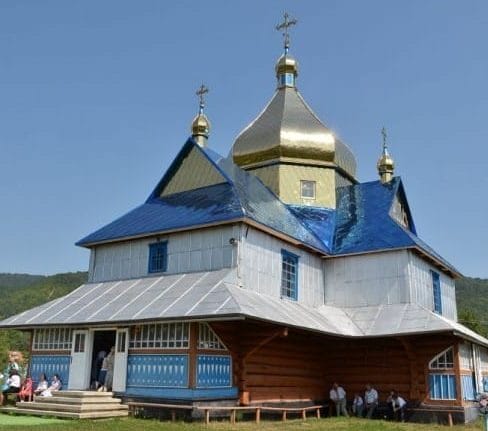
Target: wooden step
{"type": "Point", "coordinates": [77, 394]}
{"type": "Point", "coordinates": [61, 414]}
{"type": "Point", "coordinates": [75, 408]}
{"type": "Point", "coordinates": [73, 400]}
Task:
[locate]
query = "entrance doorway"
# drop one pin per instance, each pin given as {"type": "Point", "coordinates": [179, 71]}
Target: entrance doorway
{"type": "Point", "coordinates": [103, 341]}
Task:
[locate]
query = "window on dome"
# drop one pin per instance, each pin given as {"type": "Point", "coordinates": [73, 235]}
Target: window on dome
{"type": "Point", "coordinates": [289, 275]}
{"type": "Point", "coordinates": [436, 288]}
{"type": "Point", "coordinates": [158, 257]}
{"type": "Point", "coordinates": [307, 189]}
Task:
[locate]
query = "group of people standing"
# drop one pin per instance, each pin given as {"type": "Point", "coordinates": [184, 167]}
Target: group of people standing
{"type": "Point", "coordinates": [103, 371]}
{"type": "Point", "coordinates": [366, 406]}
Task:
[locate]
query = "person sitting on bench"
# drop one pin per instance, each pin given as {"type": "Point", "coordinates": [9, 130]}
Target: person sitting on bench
{"type": "Point", "coordinates": [55, 385]}
{"type": "Point", "coordinates": [12, 386]}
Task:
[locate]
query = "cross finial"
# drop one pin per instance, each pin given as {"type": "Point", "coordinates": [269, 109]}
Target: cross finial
{"type": "Point", "coordinates": [287, 22]}
{"type": "Point", "coordinates": [200, 93]}
{"type": "Point", "coordinates": [383, 133]}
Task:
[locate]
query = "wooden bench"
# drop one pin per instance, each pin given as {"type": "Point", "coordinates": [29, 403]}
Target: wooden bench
{"type": "Point", "coordinates": [302, 411]}
{"type": "Point", "coordinates": [448, 412]}
{"type": "Point", "coordinates": [173, 408]}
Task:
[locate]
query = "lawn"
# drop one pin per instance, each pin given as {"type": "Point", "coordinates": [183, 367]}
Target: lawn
{"type": "Point", "coordinates": [130, 424]}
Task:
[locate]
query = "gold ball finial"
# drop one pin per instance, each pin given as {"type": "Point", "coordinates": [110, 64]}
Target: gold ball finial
{"type": "Point", "coordinates": [386, 164]}
{"type": "Point", "coordinates": [200, 126]}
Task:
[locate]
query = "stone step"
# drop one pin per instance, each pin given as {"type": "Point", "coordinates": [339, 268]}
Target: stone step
{"type": "Point", "coordinates": [75, 408]}
{"type": "Point", "coordinates": [81, 400]}
{"type": "Point", "coordinates": [60, 414]}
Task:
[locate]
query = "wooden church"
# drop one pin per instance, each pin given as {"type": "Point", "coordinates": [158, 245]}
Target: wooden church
{"type": "Point", "coordinates": [263, 277]}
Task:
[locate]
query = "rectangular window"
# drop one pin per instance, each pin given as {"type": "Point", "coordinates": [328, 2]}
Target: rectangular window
{"type": "Point", "coordinates": [307, 189]}
{"type": "Point", "coordinates": [79, 343]}
{"type": "Point", "coordinates": [289, 275]}
{"type": "Point", "coordinates": [442, 386]}
{"type": "Point", "coordinates": [436, 287]}
{"type": "Point", "coordinates": [52, 339]}
{"type": "Point", "coordinates": [158, 256]}
{"type": "Point", "coordinates": [160, 336]}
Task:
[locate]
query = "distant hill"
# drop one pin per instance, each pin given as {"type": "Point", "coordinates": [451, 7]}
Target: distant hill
{"type": "Point", "coordinates": [472, 301]}
{"type": "Point", "coordinates": [20, 292]}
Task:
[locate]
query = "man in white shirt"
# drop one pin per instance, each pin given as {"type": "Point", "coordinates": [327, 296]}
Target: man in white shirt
{"type": "Point", "coordinates": [338, 396]}
{"type": "Point", "coordinates": [399, 405]}
{"type": "Point", "coordinates": [371, 400]}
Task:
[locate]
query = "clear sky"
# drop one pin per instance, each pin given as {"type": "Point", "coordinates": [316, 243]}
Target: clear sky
{"type": "Point", "coordinates": [96, 98]}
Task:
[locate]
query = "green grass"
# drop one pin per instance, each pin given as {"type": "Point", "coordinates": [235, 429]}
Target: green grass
{"type": "Point", "coordinates": [130, 424]}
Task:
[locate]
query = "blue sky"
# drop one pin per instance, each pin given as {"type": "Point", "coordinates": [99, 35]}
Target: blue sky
{"type": "Point", "coordinates": [96, 98]}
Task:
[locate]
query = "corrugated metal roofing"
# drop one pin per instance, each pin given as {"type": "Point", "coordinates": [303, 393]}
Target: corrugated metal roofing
{"type": "Point", "coordinates": [215, 294]}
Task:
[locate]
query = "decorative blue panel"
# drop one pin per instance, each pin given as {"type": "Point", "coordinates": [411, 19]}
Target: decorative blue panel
{"type": "Point", "coordinates": [442, 386]}
{"type": "Point", "coordinates": [157, 370]}
{"type": "Point", "coordinates": [214, 371]}
{"type": "Point", "coordinates": [467, 384]}
{"type": "Point", "coordinates": [50, 365]}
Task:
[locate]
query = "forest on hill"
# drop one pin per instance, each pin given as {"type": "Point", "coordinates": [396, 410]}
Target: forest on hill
{"type": "Point", "coordinates": [20, 292]}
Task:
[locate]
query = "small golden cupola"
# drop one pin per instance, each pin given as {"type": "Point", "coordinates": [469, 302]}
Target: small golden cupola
{"type": "Point", "coordinates": [386, 164]}
{"type": "Point", "coordinates": [289, 148]}
{"type": "Point", "coordinates": [200, 126]}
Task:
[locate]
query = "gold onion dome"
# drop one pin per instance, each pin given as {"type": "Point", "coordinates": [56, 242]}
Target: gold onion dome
{"type": "Point", "coordinates": [200, 126]}
{"type": "Point", "coordinates": [286, 64]}
{"type": "Point", "coordinates": [288, 130]}
{"type": "Point", "coordinates": [386, 164]}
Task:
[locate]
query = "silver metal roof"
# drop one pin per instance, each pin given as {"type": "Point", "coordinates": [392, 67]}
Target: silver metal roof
{"type": "Point", "coordinates": [215, 294]}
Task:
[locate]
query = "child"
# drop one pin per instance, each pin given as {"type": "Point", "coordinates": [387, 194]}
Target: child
{"type": "Point", "coordinates": [357, 405]}
{"type": "Point", "coordinates": [25, 393]}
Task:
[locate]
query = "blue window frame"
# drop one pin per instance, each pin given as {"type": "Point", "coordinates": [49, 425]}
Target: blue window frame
{"type": "Point", "coordinates": [158, 257]}
{"type": "Point", "coordinates": [289, 275]}
{"type": "Point", "coordinates": [436, 287]}
{"type": "Point", "coordinates": [442, 386]}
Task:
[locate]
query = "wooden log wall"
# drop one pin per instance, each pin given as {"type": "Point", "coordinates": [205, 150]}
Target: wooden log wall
{"type": "Point", "coordinates": [274, 365]}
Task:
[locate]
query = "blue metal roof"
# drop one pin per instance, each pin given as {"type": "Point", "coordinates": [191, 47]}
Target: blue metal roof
{"type": "Point", "coordinates": [242, 195]}
{"type": "Point", "coordinates": [320, 221]}
{"type": "Point", "coordinates": [364, 224]}
{"type": "Point", "coordinates": [361, 223]}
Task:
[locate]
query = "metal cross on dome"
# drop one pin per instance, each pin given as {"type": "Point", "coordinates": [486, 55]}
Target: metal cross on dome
{"type": "Point", "coordinates": [383, 132]}
{"type": "Point", "coordinates": [200, 93]}
{"type": "Point", "coordinates": [287, 22]}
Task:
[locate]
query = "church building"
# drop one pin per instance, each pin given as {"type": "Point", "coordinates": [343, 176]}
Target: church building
{"type": "Point", "coordinates": [263, 277]}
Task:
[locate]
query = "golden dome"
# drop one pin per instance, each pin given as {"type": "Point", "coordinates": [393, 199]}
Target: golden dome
{"type": "Point", "coordinates": [286, 64]}
{"type": "Point", "coordinates": [386, 164]}
{"type": "Point", "coordinates": [200, 125]}
{"type": "Point", "coordinates": [288, 129]}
